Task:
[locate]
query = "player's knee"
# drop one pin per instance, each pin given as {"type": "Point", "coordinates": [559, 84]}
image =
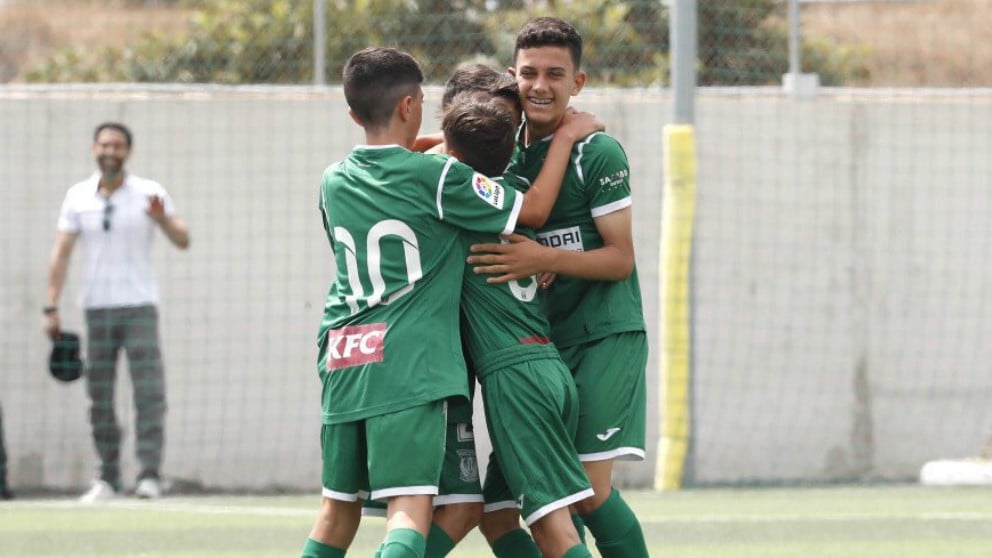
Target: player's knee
{"type": "Point", "coordinates": [458, 520]}
{"type": "Point", "coordinates": [497, 523]}
{"type": "Point", "coordinates": [592, 503]}
{"type": "Point", "coordinates": [471, 517]}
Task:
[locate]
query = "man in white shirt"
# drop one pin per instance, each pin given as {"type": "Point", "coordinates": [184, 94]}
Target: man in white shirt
{"type": "Point", "coordinates": [116, 214]}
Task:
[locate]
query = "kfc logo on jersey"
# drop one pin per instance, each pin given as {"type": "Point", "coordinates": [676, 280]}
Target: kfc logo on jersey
{"type": "Point", "coordinates": [488, 190]}
{"type": "Point", "coordinates": [355, 345]}
{"type": "Point", "coordinates": [566, 239]}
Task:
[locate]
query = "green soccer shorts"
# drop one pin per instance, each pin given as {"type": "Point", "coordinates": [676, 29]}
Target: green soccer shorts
{"type": "Point", "coordinates": [405, 448]}
{"type": "Point", "coordinates": [531, 410]}
{"type": "Point", "coordinates": [610, 377]}
{"type": "Point", "coordinates": [459, 481]}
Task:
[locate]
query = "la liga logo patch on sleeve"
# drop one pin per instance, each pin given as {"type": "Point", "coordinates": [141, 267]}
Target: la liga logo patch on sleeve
{"type": "Point", "coordinates": [488, 190]}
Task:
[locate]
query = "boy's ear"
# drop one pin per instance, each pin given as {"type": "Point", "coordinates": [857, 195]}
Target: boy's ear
{"type": "Point", "coordinates": [580, 80]}
{"type": "Point", "coordinates": [512, 71]}
{"type": "Point", "coordinates": [405, 107]}
{"type": "Point", "coordinates": [354, 117]}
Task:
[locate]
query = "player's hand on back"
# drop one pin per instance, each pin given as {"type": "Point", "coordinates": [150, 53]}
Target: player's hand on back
{"type": "Point", "coordinates": [517, 258]}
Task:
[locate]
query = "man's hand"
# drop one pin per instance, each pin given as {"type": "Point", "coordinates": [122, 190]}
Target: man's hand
{"type": "Point", "coordinates": [156, 209]}
{"type": "Point", "coordinates": [517, 258]}
{"type": "Point", "coordinates": [50, 324]}
{"type": "Point", "coordinates": [171, 226]}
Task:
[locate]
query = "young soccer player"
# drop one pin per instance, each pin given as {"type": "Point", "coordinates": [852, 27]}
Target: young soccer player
{"type": "Point", "coordinates": [394, 220]}
{"type": "Point", "coordinates": [473, 78]}
{"type": "Point", "coordinates": [529, 396]}
{"type": "Point", "coordinates": [594, 305]}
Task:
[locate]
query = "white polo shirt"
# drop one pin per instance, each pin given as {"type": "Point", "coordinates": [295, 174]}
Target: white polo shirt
{"type": "Point", "coordinates": [117, 241]}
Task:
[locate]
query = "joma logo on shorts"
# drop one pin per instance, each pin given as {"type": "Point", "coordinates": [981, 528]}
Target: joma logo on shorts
{"type": "Point", "coordinates": [355, 345]}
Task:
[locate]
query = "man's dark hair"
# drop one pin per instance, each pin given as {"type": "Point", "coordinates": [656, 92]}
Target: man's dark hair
{"type": "Point", "coordinates": [550, 31]}
{"type": "Point", "coordinates": [480, 131]}
{"type": "Point", "coordinates": [376, 79]}
{"type": "Point", "coordinates": [117, 126]}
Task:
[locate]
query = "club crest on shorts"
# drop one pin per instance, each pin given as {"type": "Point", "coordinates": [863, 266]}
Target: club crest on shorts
{"type": "Point", "coordinates": [488, 190]}
{"type": "Point", "coordinates": [468, 467]}
{"type": "Point", "coordinates": [355, 345]}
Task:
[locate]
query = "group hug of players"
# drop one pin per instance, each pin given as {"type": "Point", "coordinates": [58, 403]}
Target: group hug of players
{"type": "Point", "coordinates": [499, 251]}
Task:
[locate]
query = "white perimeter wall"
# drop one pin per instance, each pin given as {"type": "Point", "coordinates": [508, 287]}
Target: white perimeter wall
{"type": "Point", "coordinates": [840, 278]}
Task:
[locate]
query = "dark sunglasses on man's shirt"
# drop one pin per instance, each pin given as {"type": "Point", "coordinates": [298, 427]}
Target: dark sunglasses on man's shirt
{"type": "Point", "coordinates": [108, 211]}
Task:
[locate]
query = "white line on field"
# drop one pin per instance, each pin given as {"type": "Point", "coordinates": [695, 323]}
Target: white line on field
{"type": "Point", "coordinates": [815, 516]}
{"type": "Point", "coordinates": [270, 511]}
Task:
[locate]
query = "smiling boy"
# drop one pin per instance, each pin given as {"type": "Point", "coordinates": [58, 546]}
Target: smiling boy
{"type": "Point", "coordinates": [594, 305]}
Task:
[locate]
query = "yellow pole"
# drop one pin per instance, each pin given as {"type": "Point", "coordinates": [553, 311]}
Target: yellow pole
{"type": "Point", "coordinates": [678, 212]}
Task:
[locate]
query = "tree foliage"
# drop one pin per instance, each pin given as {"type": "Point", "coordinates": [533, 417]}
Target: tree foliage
{"type": "Point", "coordinates": [271, 41]}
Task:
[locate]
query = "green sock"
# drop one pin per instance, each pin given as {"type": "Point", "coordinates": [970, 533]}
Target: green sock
{"type": "Point", "coordinates": [580, 527]}
{"type": "Point", "coordinates": [403, 543]}
{"type": "Point", "coordinates": [516, 544]}
{"type": "Point", "coordinates": [315, 549]}
{"type": "Point", "coordinates": [617, 532]}
{"type": "Point", "coordinates": [439, 544]}
{"type": "Point", "coordinates": [577, 551]}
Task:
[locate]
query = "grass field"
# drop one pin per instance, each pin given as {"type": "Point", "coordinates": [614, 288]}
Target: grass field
{"type": "Point", "coordinates": [842, 522]}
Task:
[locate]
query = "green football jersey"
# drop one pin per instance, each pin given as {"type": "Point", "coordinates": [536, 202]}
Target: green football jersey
{"type": "Point", "coordinates": [500, 320]}
{"type": "Point", "coordinates": [389, 339]}
{"type": "Point", "coordinates": [596, 183]}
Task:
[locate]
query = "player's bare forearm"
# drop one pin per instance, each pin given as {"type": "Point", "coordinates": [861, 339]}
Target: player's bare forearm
{"type": "Point", "coordinates": [425, 143]}
{"type": "Point", "coordinates": [541, 196]}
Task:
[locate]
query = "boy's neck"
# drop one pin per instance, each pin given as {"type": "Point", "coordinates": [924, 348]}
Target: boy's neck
{"type": "Point", "coordinates": [395, 134]}
{"type": "Point", "coordinates": [539, 132]}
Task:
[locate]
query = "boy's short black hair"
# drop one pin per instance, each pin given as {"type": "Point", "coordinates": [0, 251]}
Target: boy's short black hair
{"type": "Point", "coordinates": [477, 77]}
{"type": "Point", "coordinates": [550, 31]}
{"type": "Point", "coordinates": [117, 126]}
{"type": "Point", "coordinates": [506, 87]}
{"type": "Point", "coordinates": [376, 79]}
{"type": "Point", "coordinates": [481, 131]}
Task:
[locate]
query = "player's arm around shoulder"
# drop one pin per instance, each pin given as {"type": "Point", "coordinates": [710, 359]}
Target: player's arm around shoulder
{"type": "Point", "coordinates": [605, 175]}
{"type": "Point", "coordinates": [543, 192]}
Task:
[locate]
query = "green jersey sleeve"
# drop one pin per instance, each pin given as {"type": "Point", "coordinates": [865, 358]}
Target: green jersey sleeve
{"type": "Point", "coordinates": [603, 168]}
{"type": "Point", "coordinates": [475, 202]}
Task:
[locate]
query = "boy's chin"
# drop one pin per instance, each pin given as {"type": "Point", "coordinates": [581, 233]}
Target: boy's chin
{"type": "Point", "coordinates": [544, 121]}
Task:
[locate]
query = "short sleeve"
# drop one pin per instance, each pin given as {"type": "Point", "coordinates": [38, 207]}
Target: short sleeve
{"type": "Point", "coordinates": [68, 216]}
{"type": "Point", "coordinates": [606, 174]}
{"type": "Point", "coordinates": [474, 202]}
